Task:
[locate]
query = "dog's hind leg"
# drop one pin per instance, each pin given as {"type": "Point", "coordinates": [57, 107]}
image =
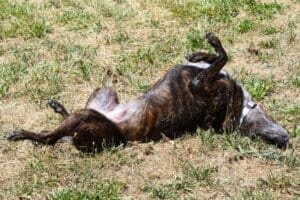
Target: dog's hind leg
{"type": "Point", "coordinates": [88, 128]}
{"type": "Point", "coordinates": [67, 128]}
{"type": "Point", "coordinates": [103, 99]}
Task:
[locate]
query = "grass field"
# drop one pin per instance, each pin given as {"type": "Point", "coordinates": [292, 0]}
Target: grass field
{"type": "Point", "coordinates": [63, 49]}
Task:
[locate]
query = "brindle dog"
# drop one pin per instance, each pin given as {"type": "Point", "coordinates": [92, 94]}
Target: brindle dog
{"type": "Point", "coordinates": [196, 94]}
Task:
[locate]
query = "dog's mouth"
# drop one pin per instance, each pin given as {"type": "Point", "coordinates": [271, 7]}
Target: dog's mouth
{"type": "Point", "coordinates": [281, 141]}
{"type": "Point", "coordinates": [276, 135]}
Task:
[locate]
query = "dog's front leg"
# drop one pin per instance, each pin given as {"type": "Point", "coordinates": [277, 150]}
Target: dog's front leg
{"type": "Point", "coordinates": [201, 84]}
{"type": "Point", "coordinates": [201, 56]}
{"type": "Point", "coordinates": [58, 108]}
{"type": "Point", "coordinates": [221, 59]}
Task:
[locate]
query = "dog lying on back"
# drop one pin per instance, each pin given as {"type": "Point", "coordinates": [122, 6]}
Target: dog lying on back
{"type": "Point", "coordinates": [196, 94]}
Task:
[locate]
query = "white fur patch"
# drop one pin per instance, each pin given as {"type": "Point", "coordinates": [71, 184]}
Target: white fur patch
{"type": "Point", "coordinates": [245, 111]}
{"type": "Point", "coordinates": [205, 65]}
{"type": "Point", "coordinates": [246, 95]}
{"type": "Point", "coordinates": [200, 65]}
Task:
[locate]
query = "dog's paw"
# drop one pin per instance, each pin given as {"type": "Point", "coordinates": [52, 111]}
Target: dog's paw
{"type": "Point", "coordinates": [212, 39]}
{"type": "Point", "coordinates": [56, 106]}
{"type": "Point", "coordinates": [13, 135]}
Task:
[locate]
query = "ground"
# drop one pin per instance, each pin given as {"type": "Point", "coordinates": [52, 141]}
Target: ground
{"type": "Point", "coordinates": [64, 49]}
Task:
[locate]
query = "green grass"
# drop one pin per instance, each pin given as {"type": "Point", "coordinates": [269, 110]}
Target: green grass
{"type": "Point", "coordinates": [269, 30]}
{"type": "Point", "coordinates": [294, 78]}
{"type": "Point", "coordinates": [245, 26]}
{"type": "Point", "coordinates": [237, 142]}
{"type": "Point", "coordinates": [276, 182]}
{"type": "Point", "coordinates": [291, 31]}
{"type": "Point", "coordinates": [265, 186]}
{"type": "Point", "coordinates": [45, 82]}
{"type": "Point", "coordinates": [27, 22]}
{"type": "Point", "coordinates": [41, 78]}
{"type": "Point", "coordinates": [246, 147]}
{"type": "Point", "coordinates": [216, 11]}
{"type": "Point", "coordinates": [257, 86]}
{"type": "Point", "coordinates": [269, 44]}
{"type": "Point", "coordinates": [264, 10]}
{"type": "Point", "coordinates": [203, 176]}
{"type": "Point", "coordinates": [168, 191]}
{"type": "Point", "coordinates": [77, 19]}
{"type": "Point", "coordinates": [295, 131]}
{"type": "Point", "coordinates": [195, 40]}
{"type": "Point", "coordinates": [103, 190]}
{"type": "Point", "coordinates": [190, 178]}
{"type": "Point", "coordinates": [144, 61]}
{"type": "Point", "coordinates": [119, 11]}
{"type": "Point", "coordinates": [207, 138]}
{"type": "Point", "coordinates": [119, 37]}
{"type": "Point", "coordinates": [254, 194]}
{"type": "Point", "coordinates": [212, 10]}
{"type": "Point", "coordinates": [10, 73]}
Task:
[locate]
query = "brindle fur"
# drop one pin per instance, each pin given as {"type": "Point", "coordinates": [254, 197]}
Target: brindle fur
{"type": "Point", "coordinates": [187, 97]}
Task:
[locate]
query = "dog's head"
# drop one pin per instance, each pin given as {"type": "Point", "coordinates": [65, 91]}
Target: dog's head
{"type": "Point", "coordinates": [255, 122]}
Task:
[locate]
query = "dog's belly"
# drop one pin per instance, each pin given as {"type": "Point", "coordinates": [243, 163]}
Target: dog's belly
{"type": "Point", "coordinates": [120, 113]}
{"type": "Point", "coordinates": [127, 117]}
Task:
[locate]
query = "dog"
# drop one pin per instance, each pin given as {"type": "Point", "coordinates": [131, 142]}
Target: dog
{"type": "Point", "coordinates": [196, 94]}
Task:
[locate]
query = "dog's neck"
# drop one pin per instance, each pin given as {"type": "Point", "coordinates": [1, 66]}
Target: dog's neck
{"type": "Point", "coordinates": [248, 104]}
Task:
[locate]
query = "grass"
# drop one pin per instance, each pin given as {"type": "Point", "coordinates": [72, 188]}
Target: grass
{"type": "Point", "coordinates": [295, 79]}
{"type": "Point", "coordinates": [105, 190]}
{"type": "Point", "coordinates": [78, 19]}
{"type": "Point", "coordinates": [255, 194]}
{"type": "Point", "coordinates": [191, 178]}
{"type": "Point", "coordinates": [276, 182]}
{"type": "Point", "coordinates": [245, 26]}
{"type": "Point", "coordinates": [257, 86]}
{"type": "Point", "coordinates": [265, 186]}
{"type": "Point", "coordinates": [269, 44]}
{"type": "Point", "coordinates": [265, 10]}
{"type": "Point", "coordinates": [27, 21]}
{"type": "Point", "coordinates": [9, 74]}
{"type": "Point", "coordinates": [168, 191]}
{"type": "Point", "coordinates": [195, 41]}
{"type": "Point", "coordinates": [270, 30]}
{"type": "Point", "coordinates": [207, 138]}
{"type": "Point", "coordinates": [216, 11]}
{"type": "Point", "coordinates": [119, 37]}
{"type": "Point", "coordinates": [204, 176]}
{"type": "Point", "coordinates": [65, 49]}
